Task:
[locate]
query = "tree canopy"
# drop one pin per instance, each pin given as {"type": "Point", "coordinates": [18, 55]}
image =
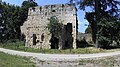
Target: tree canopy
{"type": "Point", "coordinates": [104, 18]}
{"type": "Point", "coordinates": [55, 26]}
{"type": "Point", "coordinates": [12, 18]}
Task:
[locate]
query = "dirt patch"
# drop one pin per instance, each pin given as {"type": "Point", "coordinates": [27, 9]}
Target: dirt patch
{"type": "Point", "coordinates": [111, 61]}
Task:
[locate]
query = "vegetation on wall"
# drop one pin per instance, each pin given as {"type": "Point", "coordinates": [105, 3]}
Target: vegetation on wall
{"type": "Point", "coordinates": [54, 26]}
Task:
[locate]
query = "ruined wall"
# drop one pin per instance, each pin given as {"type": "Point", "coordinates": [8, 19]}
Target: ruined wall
{"type": "Point", "coordinates": [37, 22]}
{"type": "Point", "coordinates": [87, 37]}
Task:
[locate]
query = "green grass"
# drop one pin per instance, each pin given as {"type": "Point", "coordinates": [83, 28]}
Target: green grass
{"type": "Point", "coordinates": [66, 51]}
{"type": "Point", "coordinates": [7, 60]}
{"type": "Point", "coordinates": [87, 50]}
{"type": "Point", "coordinates": [20, 46]}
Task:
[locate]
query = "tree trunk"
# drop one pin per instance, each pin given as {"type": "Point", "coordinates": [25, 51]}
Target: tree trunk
{"type": "Point", "coordinates": [97, 21]}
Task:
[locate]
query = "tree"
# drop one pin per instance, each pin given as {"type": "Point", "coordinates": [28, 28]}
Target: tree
{"type": "Point", "coordinates": [102, 9]}
{"type": "Point", "coordinates": [55, 26]}
{"type": "Point", "coordinates": [23, 12]}
{"type": "Point", "coordinates": [1, 20]}
{"type": "Point", "coordinates": [109, 32]}
{"type": "Point", "coordinates": [14, 17]}
{"type": "Point", "coordinates": [88, 30]}
{"type": "Point", "coordinates": [11, 18]}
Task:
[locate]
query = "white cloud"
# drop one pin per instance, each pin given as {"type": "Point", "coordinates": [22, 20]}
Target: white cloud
{"type": "Point", "coordinates": [79, 22]}
{"type": "Point", "coordinates": [82, 25]}
{"type": "Point", "coordinates": [84, 22]}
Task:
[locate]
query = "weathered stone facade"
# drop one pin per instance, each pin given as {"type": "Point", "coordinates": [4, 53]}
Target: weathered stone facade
{"type": "Point", "coordinates": [84, 40]}
{"type": "Point", "coordinates": [36, 31]}
{"type": "Point", "coordinates": [86, 36]}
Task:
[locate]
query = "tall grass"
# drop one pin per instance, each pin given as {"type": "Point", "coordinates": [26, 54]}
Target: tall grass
{"type": "Point", "coordinates": [7, 60]}
{"type": "Point", "coordinates": [13, 45]}
{"type": "Point", "coordinates": [19, 45]}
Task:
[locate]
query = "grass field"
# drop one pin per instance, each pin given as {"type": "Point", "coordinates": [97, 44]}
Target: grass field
{"type": "Point", "coordinates": [87, 50]}
{"type": "Point", "coordinates": [7, 60]}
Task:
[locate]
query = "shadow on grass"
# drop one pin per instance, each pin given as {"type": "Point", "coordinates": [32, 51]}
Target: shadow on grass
{"type": "Point", "coordinates": [111, 47]}
{"type": "Point", "coordinates": [83, 44]}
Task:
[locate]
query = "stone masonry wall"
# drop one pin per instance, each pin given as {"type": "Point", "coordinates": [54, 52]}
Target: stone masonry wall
{"type": "Point", "coordinates": [37, 22]}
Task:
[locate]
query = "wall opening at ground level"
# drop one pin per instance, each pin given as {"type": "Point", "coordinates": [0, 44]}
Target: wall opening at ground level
{"type": "Point", "coordinates": [54, 42]}
{"type": "Point", "coordinates": [34, 39]}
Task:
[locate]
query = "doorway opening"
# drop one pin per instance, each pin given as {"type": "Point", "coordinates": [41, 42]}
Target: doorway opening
{"type": "Point", "coordinates": [34, 39]}
{"type": "Point", "coordinates": [69, 27]}
{"type": "Point", "coordinates": [54, 42]}
{"type": "Point", "coordinates": [66, 44]}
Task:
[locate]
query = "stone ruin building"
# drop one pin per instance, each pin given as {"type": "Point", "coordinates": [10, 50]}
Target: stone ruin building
{"type": "Point", "coordinates": [84, 39]}
{"type": "Point", "coordinates": [37, 34]}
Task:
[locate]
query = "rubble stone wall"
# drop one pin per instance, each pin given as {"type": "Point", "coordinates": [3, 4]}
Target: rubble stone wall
{"type": "Point", "coordinates": [37, 22]}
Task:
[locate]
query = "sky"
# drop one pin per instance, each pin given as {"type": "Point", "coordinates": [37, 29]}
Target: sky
{"type": "Point", "coordinates": [80, 13]}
